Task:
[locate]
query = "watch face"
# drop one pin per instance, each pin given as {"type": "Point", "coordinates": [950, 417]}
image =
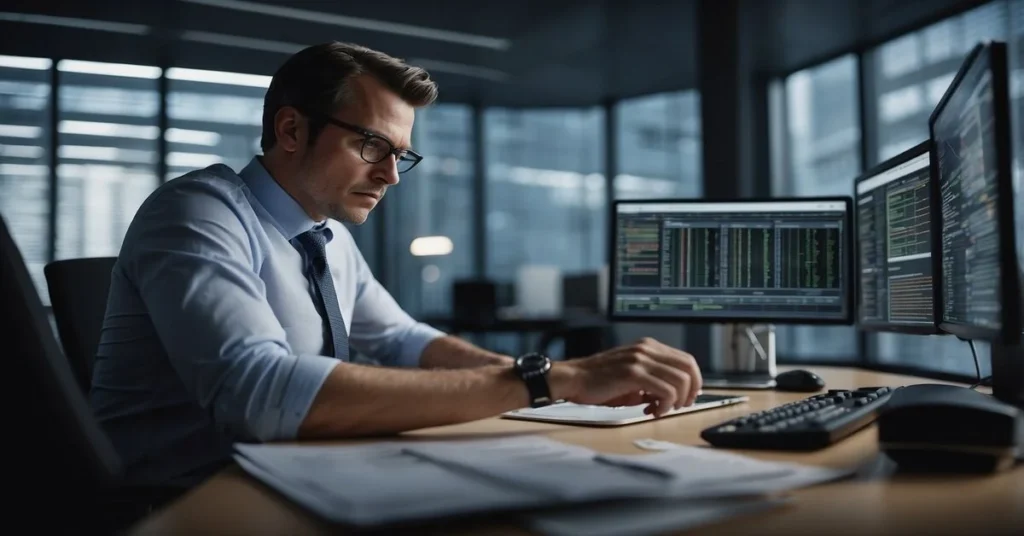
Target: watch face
{"type": "Point", "coordinates": [532, 361]}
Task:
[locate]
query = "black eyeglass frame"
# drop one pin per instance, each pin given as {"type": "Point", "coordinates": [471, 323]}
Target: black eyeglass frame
{"type": "Point", "coordinates": [400, 154]}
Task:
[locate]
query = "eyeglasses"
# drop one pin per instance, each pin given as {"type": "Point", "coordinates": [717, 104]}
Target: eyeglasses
{"type": "Point", "coordinates": [376, 147]}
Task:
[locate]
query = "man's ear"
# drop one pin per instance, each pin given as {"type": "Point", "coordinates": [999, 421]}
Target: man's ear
{"type": "Point", "coordinates": [290, 129]}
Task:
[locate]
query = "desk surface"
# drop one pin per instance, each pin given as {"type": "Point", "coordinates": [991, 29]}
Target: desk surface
{"type": "Point", "coordinates": [871, 504]}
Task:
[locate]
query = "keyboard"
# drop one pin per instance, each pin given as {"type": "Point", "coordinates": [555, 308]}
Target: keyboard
{"type": "Point", "coordinates": [812, 423]}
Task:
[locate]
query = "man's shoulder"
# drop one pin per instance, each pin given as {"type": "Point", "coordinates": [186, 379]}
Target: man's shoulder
{"type": "Point", "coordinates": [213, 189]}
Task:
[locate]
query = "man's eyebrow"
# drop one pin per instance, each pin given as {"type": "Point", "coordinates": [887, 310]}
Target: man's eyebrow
{"type": "Point", "coordinates": [379, 135]}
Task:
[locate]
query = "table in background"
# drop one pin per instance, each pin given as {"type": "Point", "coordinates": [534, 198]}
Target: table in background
{"type": "Point", "coordinates": [233, 503]}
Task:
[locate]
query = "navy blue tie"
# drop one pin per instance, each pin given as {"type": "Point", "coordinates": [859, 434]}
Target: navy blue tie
{"type": "Point", "coordinates": [335, 337]}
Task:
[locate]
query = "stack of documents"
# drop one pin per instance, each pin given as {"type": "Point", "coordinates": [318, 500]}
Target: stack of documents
{"type": "Point", "coordinates": [396, 482]}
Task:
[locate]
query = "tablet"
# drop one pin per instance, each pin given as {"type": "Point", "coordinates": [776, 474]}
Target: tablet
{"type": "Point", "coordinates": [587, 415]}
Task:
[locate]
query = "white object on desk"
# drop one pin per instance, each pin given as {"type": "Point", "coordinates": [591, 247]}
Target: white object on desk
{"type": "Point", "coordinates": [538, 291]}
{"type": "Point", "coordinates": [391, 482]}
{"type": "Point", "coordinates": [571, 413]}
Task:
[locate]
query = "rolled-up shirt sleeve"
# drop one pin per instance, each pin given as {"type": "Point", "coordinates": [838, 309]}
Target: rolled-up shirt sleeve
{"type": "Point", "coordinates": [381, 329]}
{"type": "Point", "coordinates": [195, 262]}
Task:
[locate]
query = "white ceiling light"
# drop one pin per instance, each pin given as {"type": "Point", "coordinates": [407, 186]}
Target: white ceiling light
{"type": "Point", "coordinates": [236, 41]}
{"type": "Point", "coordinates": [461, 69]}
{"type": "Point", "coordinates": [108, 69]}
{"type": "Point", "coordinates": [360, 23]}
{"type": "Point", "coordinates": [73, 22]}
{"type": "Point", "coordinates": [114, 130]}
{"type": "Point", "coordinates": [431, 245]}
{"type": "Point", "coordinates": [21, 62]}
{"type": "Point", "coordinates": [218, 77]}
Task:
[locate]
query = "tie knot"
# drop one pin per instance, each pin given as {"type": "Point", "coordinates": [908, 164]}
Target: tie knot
{"type": "Point", "coordinates": [315, 243]}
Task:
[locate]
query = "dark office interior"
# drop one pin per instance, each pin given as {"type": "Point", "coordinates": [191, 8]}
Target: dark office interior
{"type": "Point", "coordinates": [550, 116]}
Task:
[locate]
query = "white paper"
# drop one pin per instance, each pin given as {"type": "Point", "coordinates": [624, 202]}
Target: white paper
{"type": "Point", "coordinates": [705, 472]}
{"type": "Point", "coordinates": [375, 484]}
{"type": "Point", "coordinates": [555, 470]}
{"type": "Point", "coordinates": [394, 482]}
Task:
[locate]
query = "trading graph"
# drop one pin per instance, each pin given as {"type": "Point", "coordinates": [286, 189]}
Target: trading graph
{"type": "Point", "coordinates": [638, 257]}
{"type": "Point", "coordinates": [909, 222]}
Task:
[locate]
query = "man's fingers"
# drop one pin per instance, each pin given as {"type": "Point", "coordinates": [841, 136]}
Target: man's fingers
{"type": "Point", "coordinates": [676, 360]}
{"type": "Point", "coordinates": [678, 379]}
{"type": "Point", "coordinates": [661, 391]}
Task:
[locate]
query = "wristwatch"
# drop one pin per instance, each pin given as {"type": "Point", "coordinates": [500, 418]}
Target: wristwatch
{"type": "Point", "coordinates": [533, 369]}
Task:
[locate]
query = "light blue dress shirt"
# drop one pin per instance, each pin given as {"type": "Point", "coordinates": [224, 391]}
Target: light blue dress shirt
{"type": "Point", "coordinates": [212, 334]}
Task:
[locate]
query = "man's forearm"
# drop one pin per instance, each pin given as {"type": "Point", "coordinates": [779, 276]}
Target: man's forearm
{"type": "Point", "coordinates": [359, 400]}
{"type": "Point", "coordinates": [452, 352]}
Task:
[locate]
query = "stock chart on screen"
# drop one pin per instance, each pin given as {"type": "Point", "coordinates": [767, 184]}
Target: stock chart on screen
{"type": "Point", "coordinates": [774, 260]}
{"type": "Point", "coordinates": [894, 243]}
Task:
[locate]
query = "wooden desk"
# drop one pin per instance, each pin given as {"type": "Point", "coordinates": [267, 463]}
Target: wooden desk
{"type": "Point", "coordinates": [872, 504]}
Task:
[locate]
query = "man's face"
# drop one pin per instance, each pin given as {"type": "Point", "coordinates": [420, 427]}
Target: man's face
{"type": "Point", "coordinates": [337, 181]}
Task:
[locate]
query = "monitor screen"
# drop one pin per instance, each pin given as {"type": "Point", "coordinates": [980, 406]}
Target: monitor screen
{"type": "Point", "coordinates": [970, 132]}
{"type": "Point", "coordinates": [779, 261]}
{"type": "Point", "coordinates": [894, 244]}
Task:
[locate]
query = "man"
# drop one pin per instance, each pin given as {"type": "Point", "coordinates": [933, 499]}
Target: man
{"type": "Point", "coordinates": [236, 295]}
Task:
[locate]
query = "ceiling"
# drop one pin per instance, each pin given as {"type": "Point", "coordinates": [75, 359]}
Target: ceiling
{"type": "Point", "coordinates": [500, 52]}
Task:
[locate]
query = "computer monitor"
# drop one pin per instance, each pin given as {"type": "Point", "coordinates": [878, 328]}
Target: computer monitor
{"type": "Point", "coordinates": [785, 261]}
{"type": "Point", "coordinates": [979, 287]}
{"type": "Point", "coordinates": [979, 282]}
{"type": "Point", "coordinates": [895, 287]}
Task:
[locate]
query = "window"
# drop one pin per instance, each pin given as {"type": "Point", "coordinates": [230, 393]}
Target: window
{"type": "Point", "coordinates": [658, 138]}
{"type": "Point", "coordinates": [1016, 61]}
{"type": "Point", "coordinates": [25, 159]}
{"type": "Point", "coordinates": [545, 190]}
{"type": "Point", "coordinates": [432, 211]}
{"type": "Point", "coordinates": [910, 74]}
{"type": "Point", "coordinates": [212, 117]}
{"type": "Point", "coordinates": [823, 155]}
{"type": "Point", "coordinates": [107, 153]}
{"type": "Point", "coordinates": [905, 93]}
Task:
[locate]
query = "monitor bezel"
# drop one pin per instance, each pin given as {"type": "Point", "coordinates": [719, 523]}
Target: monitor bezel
{"type": "Point", "coordinates": [924, 147]}
{"type": "Point", "coordinates": [1009, 285]}
{"type": "Point", "coordinates": [848, 265]}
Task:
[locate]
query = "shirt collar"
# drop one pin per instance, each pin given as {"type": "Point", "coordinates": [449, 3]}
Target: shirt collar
{"type": "Point", "coordinates": [287, 214]}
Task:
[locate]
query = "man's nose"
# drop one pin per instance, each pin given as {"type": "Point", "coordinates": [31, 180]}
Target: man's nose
{"type": "Point", "coordinates": [386, 171]}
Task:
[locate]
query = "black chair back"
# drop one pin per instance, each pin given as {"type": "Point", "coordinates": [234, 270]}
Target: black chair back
{"type": "Point", "coordinates": [61, 456]}
{"type": "Point", "coordinates": [78, 293]}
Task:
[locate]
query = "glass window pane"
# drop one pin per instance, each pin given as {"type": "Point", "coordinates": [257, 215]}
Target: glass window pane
{"type": "Point", "coordinates": [212, 121]}
{"type": "Point", "coordinates": [824, 157]}
{"type": "Point", "coordinates": [905, 99]}
{"type": "Point", "coordinates": [906, 95]}
{"type": "Point", "coordinates": [434, 202]}
{"type": "Point", "coordinates": [545, 190]}
{"type": "Point", "coordinates": [25, 159]}
{"type": "Point", "coordinates": [658, 138]}
{"type": "Point", "coordinates": [106, 155]}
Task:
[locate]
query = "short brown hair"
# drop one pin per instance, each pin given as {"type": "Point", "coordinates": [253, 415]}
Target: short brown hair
{"type": "Point", "coordinates": [315, 80]}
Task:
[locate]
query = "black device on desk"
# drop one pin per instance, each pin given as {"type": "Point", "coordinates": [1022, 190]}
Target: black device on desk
{"type": "Point", "coordinates": [742, 262]}
{"type": "Point", "coordinates": [938, 427]}
{"type": "Point", "coordinates": [812, 423]}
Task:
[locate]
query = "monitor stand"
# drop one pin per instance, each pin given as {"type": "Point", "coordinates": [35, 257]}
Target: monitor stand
{"type": "Point", "coordinates": [742, 357]}
{"type": "Point", "coordinates": [1008, 373]}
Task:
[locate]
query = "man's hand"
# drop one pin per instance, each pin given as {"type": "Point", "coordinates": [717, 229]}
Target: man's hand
{"type": "Point", "coordinates": [644, 372]}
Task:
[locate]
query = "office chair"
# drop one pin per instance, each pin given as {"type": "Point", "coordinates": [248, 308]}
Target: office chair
{"type": "Point", "coordinates": [62, 459]}
{"type": "Point", "coordinates": [78, 293]}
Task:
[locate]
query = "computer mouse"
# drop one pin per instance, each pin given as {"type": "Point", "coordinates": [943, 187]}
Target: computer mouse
{"type": "Point", "coordinates": [939, 428]}
{"type": "Point", "coordinates": [799, 381]}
